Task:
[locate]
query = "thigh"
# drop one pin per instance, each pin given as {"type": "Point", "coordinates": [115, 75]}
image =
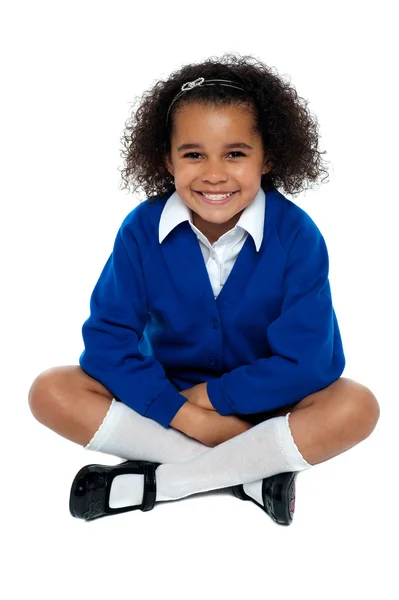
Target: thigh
{"type": "Point", "coordinates": [73, 375]}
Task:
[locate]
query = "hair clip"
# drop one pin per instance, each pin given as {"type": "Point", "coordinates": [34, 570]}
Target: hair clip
{"type": "Point", "coordinates": [190, 84]}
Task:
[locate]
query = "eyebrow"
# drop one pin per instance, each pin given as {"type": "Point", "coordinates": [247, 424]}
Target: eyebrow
{"type": "Point", "coordinates": [235, 145]}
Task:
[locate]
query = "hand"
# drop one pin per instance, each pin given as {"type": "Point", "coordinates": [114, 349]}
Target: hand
{"type": "Point", "coordinates": [198, 396]}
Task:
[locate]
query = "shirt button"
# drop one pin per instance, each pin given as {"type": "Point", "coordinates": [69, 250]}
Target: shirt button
{"type": "Point", "coordinates": [214, 324]}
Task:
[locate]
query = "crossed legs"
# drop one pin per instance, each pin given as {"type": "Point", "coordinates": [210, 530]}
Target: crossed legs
{"type": "Point", "coordinates": [323, 424]}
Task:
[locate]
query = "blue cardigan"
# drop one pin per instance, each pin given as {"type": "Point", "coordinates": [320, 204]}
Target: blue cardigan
{"type": "Point", "coordinates": [268, 340]}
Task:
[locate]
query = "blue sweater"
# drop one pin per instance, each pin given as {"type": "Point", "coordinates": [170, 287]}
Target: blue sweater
{"type": "Point", "coordinates": [269, 339]}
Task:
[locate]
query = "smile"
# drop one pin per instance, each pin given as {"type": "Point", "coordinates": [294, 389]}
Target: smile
{"type": "Point", "coordinates": [216, 198]}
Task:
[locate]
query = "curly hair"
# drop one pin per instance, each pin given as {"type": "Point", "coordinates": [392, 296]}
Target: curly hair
{"type": "Point", "coordinates": [289, 131]}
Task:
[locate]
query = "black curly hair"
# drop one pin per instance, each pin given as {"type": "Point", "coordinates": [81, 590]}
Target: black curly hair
{"type": "Point", "coordinates": [289, 131]}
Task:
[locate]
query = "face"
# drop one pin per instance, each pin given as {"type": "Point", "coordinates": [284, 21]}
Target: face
{"type": "Point", "coordinates": [210, 166]}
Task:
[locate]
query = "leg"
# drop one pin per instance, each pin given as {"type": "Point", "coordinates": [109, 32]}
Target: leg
{"type": "Point", "coordinates": [321, 426]}
{"type": "Point", "coordinates": [69, 402]}
{"type": "Point", "coordinates": [333, 420]}
{"type": "Point", "coordinates": [76, 406]}
{"type": "Point", "coordinates": [58, 400]}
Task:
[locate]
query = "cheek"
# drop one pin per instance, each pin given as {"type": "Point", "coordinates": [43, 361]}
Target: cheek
{"type": "Point", "coordinates": [185, 171]}
{"type": "Point", "coordinates": [247, 176]}
{"type": "Point", "coordinates": [247, 170]}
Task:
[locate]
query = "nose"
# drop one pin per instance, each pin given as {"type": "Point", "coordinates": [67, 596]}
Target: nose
{"type": "Point", "coordinates": [214, 172]}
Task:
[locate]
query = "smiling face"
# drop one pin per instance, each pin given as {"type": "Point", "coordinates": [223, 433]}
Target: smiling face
{"type": "Point", "coordinates": [210, 166]}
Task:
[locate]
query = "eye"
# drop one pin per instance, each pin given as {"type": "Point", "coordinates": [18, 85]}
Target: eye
{"type": "Point", "coordinates": [191, 153]}
{"type": "Point", "coordinates": [237, 152]}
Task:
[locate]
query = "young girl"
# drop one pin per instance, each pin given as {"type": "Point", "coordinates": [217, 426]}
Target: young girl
{"type": "Point", "coordinates": [213, 356]}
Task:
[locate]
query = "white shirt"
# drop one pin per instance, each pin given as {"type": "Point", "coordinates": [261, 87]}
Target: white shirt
{"type": "Point", "coordinates": [219, 257]}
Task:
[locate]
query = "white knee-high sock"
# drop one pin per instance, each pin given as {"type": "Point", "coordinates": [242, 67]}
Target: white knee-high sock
{"type": "Point", "coordinates": [265, 449]}
{"type": "Point", "coordinates": [127, 434]}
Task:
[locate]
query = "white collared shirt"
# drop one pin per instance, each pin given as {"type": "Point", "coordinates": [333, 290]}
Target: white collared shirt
{"type": "Point", "coordinates": [219, 257]}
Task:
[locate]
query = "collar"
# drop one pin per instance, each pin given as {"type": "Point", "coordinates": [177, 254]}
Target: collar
{"type": "Point", "coordinates": [251, 220]}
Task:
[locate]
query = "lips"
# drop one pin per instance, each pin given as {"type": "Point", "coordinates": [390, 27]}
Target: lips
{"type": "Point", "coordinates": [223, 201]}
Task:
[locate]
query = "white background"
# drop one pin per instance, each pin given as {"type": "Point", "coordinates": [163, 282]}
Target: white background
{"type": "Point", "coordinates": [70, 72]}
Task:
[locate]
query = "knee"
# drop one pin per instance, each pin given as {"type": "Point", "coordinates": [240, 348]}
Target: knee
{"type": "Point", "coordinates": [45, 394]}
{"type": "Point", "coordinates": [363, 409]}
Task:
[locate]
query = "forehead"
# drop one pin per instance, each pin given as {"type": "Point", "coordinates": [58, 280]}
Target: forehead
{"type": "Point", "coordinates": [199, 119]}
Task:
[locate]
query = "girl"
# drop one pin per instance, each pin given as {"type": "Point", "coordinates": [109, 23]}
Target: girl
{"type": "Point", "coordinates": [212, 354]}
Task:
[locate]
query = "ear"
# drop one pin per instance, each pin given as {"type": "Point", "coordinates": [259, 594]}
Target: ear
{"type": "Point", "coordinates": [267, 166]}
{"type": "Point", "coordinates": [168, 164]}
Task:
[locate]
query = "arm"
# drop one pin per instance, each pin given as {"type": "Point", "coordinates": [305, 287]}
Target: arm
{"type": "Point", "coordinates": [111, 335]}
{"type": "Point", "coordinates": [198, 396]}
{"type": "Point", "coordinates": [303, 347]}
{"type": "Point", "coordinates": [207, 426]}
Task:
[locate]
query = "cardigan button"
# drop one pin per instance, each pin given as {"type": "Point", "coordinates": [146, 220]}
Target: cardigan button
{"type": "Point", "coordinates": [213, 362]}
{"type": "Point", "coordinates": [214, 324]}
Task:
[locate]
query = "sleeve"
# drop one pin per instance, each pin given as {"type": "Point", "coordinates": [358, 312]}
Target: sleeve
{"type": "Point", "coordinates": [305, 341]}
{"type": "Point", "coordinates": [111, 335]}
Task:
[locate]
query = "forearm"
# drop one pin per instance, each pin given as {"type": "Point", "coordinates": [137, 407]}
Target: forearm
{"type": "Point", "coordinates": [206, 426]}
{"type": "Point", "coordinates": [217, 429]}
{"type": "Point", "coordinates": [188, 419]}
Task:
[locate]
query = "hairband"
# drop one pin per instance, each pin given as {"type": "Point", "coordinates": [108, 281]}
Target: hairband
{"type": "Point", "coordinates": [201, 81]}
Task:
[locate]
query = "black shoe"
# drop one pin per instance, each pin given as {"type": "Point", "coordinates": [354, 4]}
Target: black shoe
{"type": "Point", "coordinates": [278, 494]}
{"type": "Point", "coordinates": [89, 498]}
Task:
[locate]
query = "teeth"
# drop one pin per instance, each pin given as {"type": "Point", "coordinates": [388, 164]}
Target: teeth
{"type": "Point", "coordinates": [216, 196]}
